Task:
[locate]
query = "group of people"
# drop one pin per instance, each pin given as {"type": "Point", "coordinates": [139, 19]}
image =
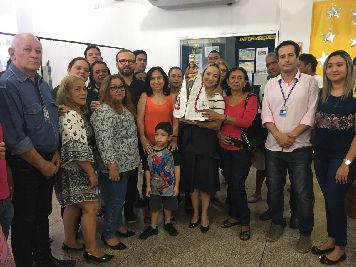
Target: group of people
{"type": "Point", "coordinates": [87, 138]}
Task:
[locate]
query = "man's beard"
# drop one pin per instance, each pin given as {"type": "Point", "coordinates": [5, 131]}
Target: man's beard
{"type": "Point", "coordinates": [126, 72]}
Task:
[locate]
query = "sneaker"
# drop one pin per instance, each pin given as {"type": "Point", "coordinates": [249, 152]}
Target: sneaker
{"type": "Point", "coordinates": [304, 244]}
{"type": "Point", "coordinates": [148, 232]}
{"type": "Point", "coordinates": [172, 231]}
{"type": "Point", "coordinates": [254, 198]}
{"type": "Point", "coordinates": [274, 233]}
{"type": "Point", "coordinates": [265, 216]}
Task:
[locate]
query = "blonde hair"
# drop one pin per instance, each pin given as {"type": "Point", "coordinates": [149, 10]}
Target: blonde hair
{"type": "Point", "coordinates": [67, 83]}
{"type": "Point", "coordinates": [216, 89]}
{"type": "Point", "coordinates": [105, 97]}
{"type": "Point", "coordinates": [349, 82]}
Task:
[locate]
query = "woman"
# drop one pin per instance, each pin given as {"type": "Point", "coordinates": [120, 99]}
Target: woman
{"type": "Point", "coordinates": [335, 151]}
{"type": "Point", "coordinates": [76, 184]}
{"type": "Point", "coordinates": [199, 148]}
{"type": "Point", "coordinates": [155, 106]}
{"type": "Point", "coordinates": [224, 69]}
{"type": "Point", "coordinates": [116, 138]}
{"type": "Point", "coordinates": [79, 67]}
{"type": "Point", "coordinates": [98, 71]}
{"type": "Point", "coordinates": [240, 111]}
{"type": "Point", "coordinates": [175, 76]}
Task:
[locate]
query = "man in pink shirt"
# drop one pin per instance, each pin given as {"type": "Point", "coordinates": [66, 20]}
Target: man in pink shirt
{"type": "Point", "coordinates": [6, 208]}
{"type": "Point", "coordinates": [288, 109]}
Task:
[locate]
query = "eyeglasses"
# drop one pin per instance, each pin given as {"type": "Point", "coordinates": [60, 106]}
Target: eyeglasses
{"type": "Point", "coordinates": [126, 61]}
{"type": "Point", "coordinates": [117, 88]}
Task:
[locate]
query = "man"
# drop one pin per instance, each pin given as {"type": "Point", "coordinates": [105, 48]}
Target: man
{"type": "Point", "coordinates": [288, 108]}
{"type": "Point", "coordinates": [126, 64]}
{"type": "Point", "coordinates": [273, 70]}
{"type": "Point", "coordinates": [214, 56]}
{"type": "Point", "coordinates": [307, 65]}
{"type": "Point", "coordinates": [92, 53]}
{"type": "Point", "coordinates": [141, 60]}
{"type": "Point", "coordinates": [30, 122]}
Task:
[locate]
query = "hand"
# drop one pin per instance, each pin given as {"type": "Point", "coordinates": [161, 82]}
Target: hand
{"type": "Point", "coordinates": [188, 121]}
{"type": "Point", "coordinates": [175, 191]}
{"type": "Point", "coordinates": [2, 150]}
{"type": "Point", "coordinates": [48, 169]}
{"type": "Point", "coordinates": [213, 115]}
{"type": "Point", "coordinates": [148, 192]}
{"type": "Point", "coordinates": [173, 144]}
{"type": "Point", "coordinates": [114, 174]}
{"type": "Point", "coordinates": [342, 173]}
{"type": "Point", "coordinates": [94, 105]}
{"type": "Point", "coordinates": [93, 179]}
{"type": "Point", "coordinates": [284, 140]}
{"type": "Point", "coordinates": [225, 139]}
{"type": "Point", "coordinates": [147, 147]}
{"type": "Point", "coordinates": [63, 109]}
{"type": "Point", "coordinates": [56, 160]}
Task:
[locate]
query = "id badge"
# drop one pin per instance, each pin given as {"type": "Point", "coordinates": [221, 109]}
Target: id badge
{"type": "Point", "coordinates": [283, 111]}
{"type": "Point", "coordinates": [46, 113]}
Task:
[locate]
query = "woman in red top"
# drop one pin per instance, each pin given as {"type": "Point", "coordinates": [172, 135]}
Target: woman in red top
{"type": "Point", "coordinates": [155, 106]}
{"type": "Point", "coordinates": [236, 158]}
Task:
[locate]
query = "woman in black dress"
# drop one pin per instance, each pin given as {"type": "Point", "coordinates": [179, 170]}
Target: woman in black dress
{"type": "Point", "coordinates": [335, 151]}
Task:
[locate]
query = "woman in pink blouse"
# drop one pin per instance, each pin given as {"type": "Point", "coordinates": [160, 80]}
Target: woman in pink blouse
{"type": "Point", "coordinates": [240, 111]}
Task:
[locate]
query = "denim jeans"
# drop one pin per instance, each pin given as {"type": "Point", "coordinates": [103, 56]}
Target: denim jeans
{"type": "Point", "coordinates": [236, 166]}
{"type": "Point", "coordinates": [298, 165]}
{"type": "Point", "coordinates": [334, 194]}
{"type": "Point", "coordinates": [6, 214]}
{"type": "Point", "coordinates": [32, 205]}
{"type": "Point", "coordinates": [114, 193]}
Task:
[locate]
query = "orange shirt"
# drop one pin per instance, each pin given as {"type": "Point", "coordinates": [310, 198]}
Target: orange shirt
{"type": "Point", "coordinates": [155, 114]}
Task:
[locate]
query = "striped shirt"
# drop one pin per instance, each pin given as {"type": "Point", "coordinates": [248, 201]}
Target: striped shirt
{"type": "Point", "coordinates": [216, 103]}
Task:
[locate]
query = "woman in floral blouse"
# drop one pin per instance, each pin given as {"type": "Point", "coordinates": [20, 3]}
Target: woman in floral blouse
{"type": "Point", "coordinates": [116, 138]}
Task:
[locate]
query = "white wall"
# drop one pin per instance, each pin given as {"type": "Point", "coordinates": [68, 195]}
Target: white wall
{"type": "Point", "coordinates": [136, 24]}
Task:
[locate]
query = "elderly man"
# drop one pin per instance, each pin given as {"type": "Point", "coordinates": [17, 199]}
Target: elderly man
{"type": "Point", "coordinates": [30, 121]}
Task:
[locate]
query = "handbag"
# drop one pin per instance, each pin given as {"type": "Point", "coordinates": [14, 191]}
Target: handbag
{"type": "Point", "coordinates": [255, 135]}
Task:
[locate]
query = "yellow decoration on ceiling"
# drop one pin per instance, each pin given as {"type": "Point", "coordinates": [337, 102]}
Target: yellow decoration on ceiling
{"type": "Point", "coordinates": [333, 28]}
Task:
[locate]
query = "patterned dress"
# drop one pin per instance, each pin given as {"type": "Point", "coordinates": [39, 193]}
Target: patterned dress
{"type": "Point", "coordinates": [72, 184]}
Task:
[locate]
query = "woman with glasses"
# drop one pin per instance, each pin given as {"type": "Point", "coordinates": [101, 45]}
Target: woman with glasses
{"type": "Point", "coordinates": [116, 138]}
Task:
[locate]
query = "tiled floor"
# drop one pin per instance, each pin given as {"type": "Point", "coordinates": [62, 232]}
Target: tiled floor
{"type": "Point", "coordinates": [219, 247]}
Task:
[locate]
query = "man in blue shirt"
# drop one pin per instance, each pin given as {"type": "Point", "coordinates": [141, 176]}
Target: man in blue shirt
{"type": "Point", "coordinates": [30, 121]}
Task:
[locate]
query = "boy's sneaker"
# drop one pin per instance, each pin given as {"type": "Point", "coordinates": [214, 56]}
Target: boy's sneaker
{"type": "Point", "coordinates": [304, 244]}
{"type": "Point", "coordinates": [172, 231]}
{"type": "Point", "coordinates": [148, 232]}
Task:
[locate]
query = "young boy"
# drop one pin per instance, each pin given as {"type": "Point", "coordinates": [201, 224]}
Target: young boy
{"type": "Point", "coordinates": [162, 172]}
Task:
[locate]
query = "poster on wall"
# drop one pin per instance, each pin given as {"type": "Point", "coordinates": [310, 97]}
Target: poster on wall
{"type": "Point", "coordinates": [249, 66]}
{"type": "Point", "coordinates": [261, 54]}
{"type": "Point", "coordinates": [247, 54]}
{"type": "Point", "coordinates": [5, 43]}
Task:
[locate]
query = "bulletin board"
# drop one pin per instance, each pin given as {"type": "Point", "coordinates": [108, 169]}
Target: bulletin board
{"type": "Point", "coordinates": [247, 51]}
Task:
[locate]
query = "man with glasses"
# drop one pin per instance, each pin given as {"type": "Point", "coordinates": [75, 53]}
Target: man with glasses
{"type": "Point", "coordinates": [126, 64]}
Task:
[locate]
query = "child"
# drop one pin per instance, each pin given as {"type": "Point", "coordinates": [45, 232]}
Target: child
{"type": "Point", "coordinates": [162, 172]}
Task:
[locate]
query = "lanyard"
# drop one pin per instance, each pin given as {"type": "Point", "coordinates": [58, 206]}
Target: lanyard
{"type": "Point", "coordinates": [291, 90]}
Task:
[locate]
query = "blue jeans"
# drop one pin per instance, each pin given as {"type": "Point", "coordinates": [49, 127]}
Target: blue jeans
{"type": "Point", "coordinates": [6, 214]}
{"type": "Point", "coordinates": [298, 165]}
{"type": "Point", "coordinates": [114, 194]}
{"type": "Point", "coordinates": [236, 166]}
{"type": "Point", "coordinates": [334, 194]}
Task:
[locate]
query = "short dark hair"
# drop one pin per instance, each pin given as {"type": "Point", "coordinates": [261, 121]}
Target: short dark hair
{"type": "Point", "coordinates": [72, 62]}
{"type": "Point", "coordinates": [174, 68]}
{"type": "Point", "coordinates": [247, 87]}
{"type": "Point", "coordinates": [122, 51]}
{"type": "Point", "coordinates": [309, 59]}
{"type": "Point", "coordinates": [148, 89]}
{"type": "Point", "coordinates": [288, 42]}
{"type": "Point", "coordinates": [214, 51]}
{"type": "Point", "coordinates": [165, 126]}
{"type": "Point", "coordinates": [139, 52]}
{"type": "Point", "coordinates": [91, 73]}
{"type": "Point", "coordinates": [90, 47]}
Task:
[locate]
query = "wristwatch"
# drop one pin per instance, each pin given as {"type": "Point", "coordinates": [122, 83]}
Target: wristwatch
{"type": "Point", "coordinates": [347, 162]}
